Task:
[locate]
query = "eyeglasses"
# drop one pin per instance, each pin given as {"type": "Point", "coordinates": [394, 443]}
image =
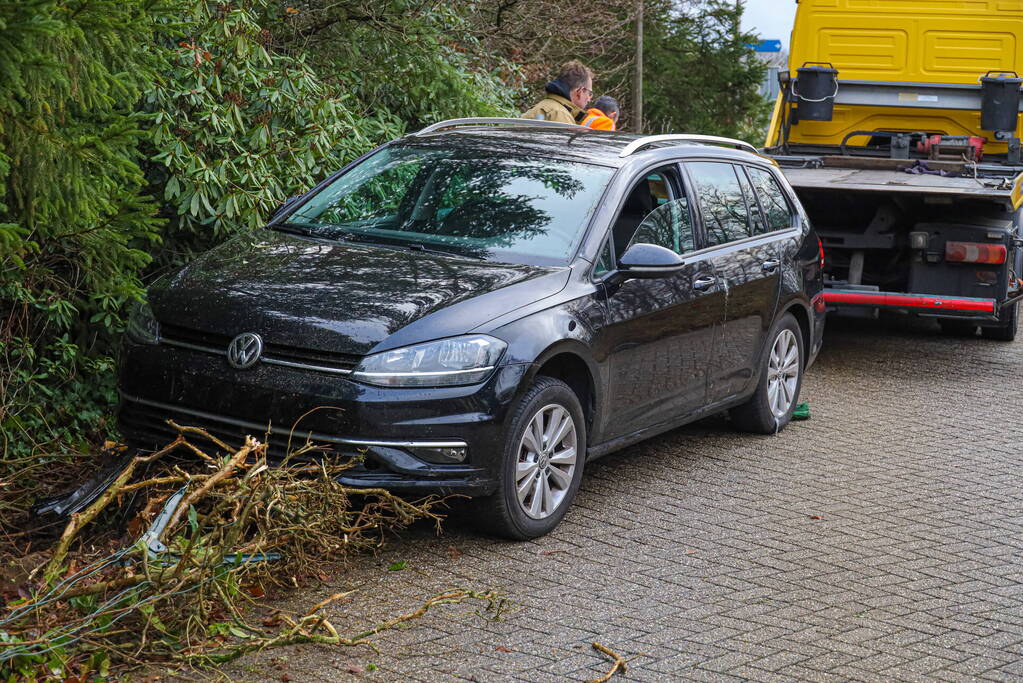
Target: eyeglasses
{"type": "Point", "coordinates": [589, 93]}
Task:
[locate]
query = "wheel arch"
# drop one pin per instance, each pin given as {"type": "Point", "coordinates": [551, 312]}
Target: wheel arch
{"type": "Point", "coordinates": [569, 361]}
{"type": "Point", "coordinates": [801, 312]}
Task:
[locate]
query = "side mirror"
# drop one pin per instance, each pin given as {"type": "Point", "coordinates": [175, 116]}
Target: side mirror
{"type": "Point", "coordinates": [648, 261]}
{"type": "Point", "coordinates": [283, 207]}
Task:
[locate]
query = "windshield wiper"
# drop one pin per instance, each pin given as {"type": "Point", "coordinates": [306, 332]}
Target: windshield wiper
{"type": "Point", "coordinates": [295, 229]}
{"type": "Point", "coordinates": [410, 246]}
{"type": "Point", "coordinates": [321, 230]}
{"type": "Point", "coordinates": [419, 246]}
{"type": "Point", "coordinates": [332, 232]}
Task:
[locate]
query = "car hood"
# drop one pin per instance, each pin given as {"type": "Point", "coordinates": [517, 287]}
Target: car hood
{"type": "Point", "coordinates": [341, 296]}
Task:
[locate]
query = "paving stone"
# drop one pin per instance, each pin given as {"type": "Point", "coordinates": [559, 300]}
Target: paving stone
{"type": "Point", "coordinates": [699, 555]}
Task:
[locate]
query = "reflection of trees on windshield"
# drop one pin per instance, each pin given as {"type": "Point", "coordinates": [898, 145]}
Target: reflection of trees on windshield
{"type": "Point", "coordinates": [473, 204]}
{"type": "Point", "coordinates": [380, 196]}
{"type": "Point", "coordinates": [477, 201]}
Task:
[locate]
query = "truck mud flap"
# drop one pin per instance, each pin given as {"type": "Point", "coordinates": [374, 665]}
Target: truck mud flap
{"type": "Point", "coordinates": [931, 305]}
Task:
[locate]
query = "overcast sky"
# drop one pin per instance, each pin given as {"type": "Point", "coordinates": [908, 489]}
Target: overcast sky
{"type": "Point", "coordinates": [772, 19]}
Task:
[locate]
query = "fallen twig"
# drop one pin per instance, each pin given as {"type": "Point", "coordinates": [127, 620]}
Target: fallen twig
{"type": "Point", "coordinates": [619, 663]}
{"type": "Point", "coordinates": [226, 471]}
{"type": "Point", "coordinates": [323, 603]}
{"type": "Point", "coordinates": [174, 594]}
{"type": "Point", "coordinates": [304, 630]}
{"type": "Point", "coordinates": [81, 519]}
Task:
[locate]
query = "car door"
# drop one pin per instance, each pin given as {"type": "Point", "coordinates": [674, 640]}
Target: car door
{"type": "Point", "coordinates": [747, 260]}
{"type": "Point", "coordinates": [660, 331]}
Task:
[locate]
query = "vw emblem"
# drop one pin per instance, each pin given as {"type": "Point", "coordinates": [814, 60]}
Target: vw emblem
{"type": "Point", "coordinates": [244, 350]}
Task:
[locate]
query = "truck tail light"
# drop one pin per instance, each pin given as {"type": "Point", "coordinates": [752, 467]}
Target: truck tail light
{"type": "Point", "coordinates": [820, 246]}
{"type": "Point", "coordinates": [971, 252]}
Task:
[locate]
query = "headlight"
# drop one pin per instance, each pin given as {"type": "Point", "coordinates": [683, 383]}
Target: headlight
{"type": "Point", "coordinates": [142, 325]}
{"type": "Point", "coordinates": [447, 362]}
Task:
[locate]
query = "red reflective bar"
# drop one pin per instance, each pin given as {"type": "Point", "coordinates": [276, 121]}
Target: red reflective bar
{"type": "Point", "coordinates": [971, 252]}
{"type": "Point", "coordinates": [942, 303]}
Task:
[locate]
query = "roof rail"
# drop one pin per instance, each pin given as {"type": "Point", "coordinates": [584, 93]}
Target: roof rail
{"type": "Point", "coordinates": [483, 121]}
{"type": "Point", "coordinates": [637, 145]}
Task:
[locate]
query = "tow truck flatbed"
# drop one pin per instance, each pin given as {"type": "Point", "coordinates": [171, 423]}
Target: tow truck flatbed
{"type": "Point", "coordinates": [874, 180]}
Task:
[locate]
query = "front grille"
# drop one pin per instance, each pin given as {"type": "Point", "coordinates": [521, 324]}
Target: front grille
{"type": "Point", "coordinates": [190, 336]}
{"type": "Point", "coordinates": [146, 426]}
{"type": "Point", "coordinates": [280, 354]}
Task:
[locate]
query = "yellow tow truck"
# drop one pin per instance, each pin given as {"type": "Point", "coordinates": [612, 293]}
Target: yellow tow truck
{"type": "Point", "coordinates": [898, 126]}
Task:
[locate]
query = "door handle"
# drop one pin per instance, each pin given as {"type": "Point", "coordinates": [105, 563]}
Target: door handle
{"type": "Point", "coordinates": [704, 283]}
{"type": "Point", "coordinates": [770, 266]}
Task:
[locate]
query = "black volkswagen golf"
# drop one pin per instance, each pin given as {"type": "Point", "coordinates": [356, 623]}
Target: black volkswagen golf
{"type": "Point", "coordinates": [485, 306]}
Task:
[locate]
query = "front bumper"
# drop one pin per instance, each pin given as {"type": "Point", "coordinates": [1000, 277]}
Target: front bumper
{"type": "Point", "coordinates": [378, 429]}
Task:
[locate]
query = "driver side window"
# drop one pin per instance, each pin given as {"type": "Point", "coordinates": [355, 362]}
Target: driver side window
{"type": "Point", "coordinates": [655, 212]}
{"type": "Point", "coordinates": [669, 226]}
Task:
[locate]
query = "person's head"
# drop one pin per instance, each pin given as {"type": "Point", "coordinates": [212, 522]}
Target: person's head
{"type": "Point", "coordinates": [608, 105]}
{"type": "Point", "coordinates": [578, 81]}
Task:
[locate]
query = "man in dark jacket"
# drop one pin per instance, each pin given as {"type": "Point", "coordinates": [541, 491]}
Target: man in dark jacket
{"type": "Point", "coordinates": [567, 96]}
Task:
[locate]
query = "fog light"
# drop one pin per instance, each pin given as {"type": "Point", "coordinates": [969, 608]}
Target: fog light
{"type": "Point", "coordinates": [441, 456]}
{"type": "Point", "coordinates": [919, 240]}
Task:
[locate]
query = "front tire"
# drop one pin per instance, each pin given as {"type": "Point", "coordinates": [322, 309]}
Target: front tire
{"type": "Point", "coordinates": [771, 406]}
{"type": "Point", "coordinates": [542, 464]}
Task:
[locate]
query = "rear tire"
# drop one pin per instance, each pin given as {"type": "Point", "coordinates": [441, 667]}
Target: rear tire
{"type": "Point", "coordinates": [958, 328]}
{"type": "Point", "coordinates": [771, 406]}
{"type": "Point", "coordinates": [542, 464]}
{"type": "Point", "coordinates": [1006, 331]}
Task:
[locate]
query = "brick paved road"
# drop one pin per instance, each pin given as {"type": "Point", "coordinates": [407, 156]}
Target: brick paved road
{"type": "Point", "coordinates": [881, 540]}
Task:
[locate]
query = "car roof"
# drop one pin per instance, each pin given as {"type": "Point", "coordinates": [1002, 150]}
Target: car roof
{"type": "Point", "coordinates": [572, 143]}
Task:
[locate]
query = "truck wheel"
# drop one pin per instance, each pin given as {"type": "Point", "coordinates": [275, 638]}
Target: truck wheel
{"type": "Point", "coordinates": [544, 454]}
{"type": "Point", "coordinates": [1006, 330]}
{"type": "Point", "coordinates": [770, 407]}
{"type": "Point", "coordinates": [958, 328]}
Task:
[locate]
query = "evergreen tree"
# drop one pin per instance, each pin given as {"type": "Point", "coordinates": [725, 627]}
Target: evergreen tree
{"type": "Point", "coordinates": [700, 75]}
{"type": "Point", "coordinates": [74, 225]}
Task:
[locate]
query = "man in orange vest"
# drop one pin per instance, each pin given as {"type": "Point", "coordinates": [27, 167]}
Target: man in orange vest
{"type": "Point", "coordinates": [603, 115]}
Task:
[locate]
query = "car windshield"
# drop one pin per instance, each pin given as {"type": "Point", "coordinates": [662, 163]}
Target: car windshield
{"type": "Point", "coordinates": [480, 204]}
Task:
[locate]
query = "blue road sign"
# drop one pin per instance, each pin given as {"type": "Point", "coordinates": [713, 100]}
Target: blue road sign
{"type": "Point", "coordinates": [766, 46]}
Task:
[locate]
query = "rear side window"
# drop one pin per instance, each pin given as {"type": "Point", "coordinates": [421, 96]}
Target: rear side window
{"type": "Point", "coordinates": [725, 215]}
{"type": "Point", "coordinates": [777, 213]}
{"type": "Point", "coordinates": [756, 219]}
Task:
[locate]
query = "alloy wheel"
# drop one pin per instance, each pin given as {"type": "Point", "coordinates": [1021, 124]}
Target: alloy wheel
{"type": "Point", "coordinates": [546, 461]}
{"type": "Point", "coordinates": [783, 373]}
